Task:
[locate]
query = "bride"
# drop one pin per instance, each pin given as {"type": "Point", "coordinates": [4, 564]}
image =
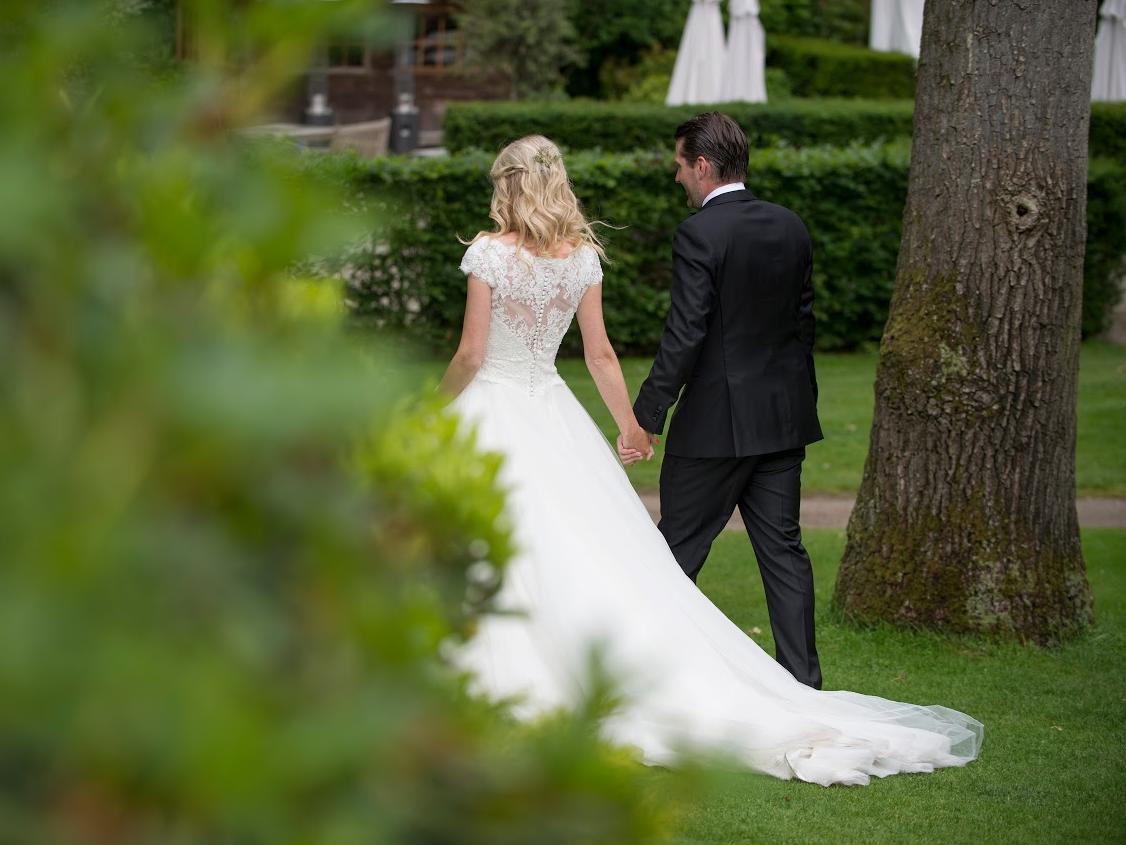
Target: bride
{"type": "Point", "coordinates": [591, 568]}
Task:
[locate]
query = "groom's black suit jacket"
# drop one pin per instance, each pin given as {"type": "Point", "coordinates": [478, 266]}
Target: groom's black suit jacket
{"type": "Point", "coordinates": [739, 335]}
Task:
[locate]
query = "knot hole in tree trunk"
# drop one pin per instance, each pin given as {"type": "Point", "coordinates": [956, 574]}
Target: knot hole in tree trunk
{"type": "Point", "coordinates": [1024, 212]}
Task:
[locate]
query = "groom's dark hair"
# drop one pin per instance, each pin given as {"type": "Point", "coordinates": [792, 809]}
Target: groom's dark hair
{"type": "Point", "coordinates": [720, 140]}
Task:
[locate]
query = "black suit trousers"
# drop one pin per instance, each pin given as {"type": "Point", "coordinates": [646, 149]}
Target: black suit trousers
{"type": "Point", "coordinates": [698, 496]}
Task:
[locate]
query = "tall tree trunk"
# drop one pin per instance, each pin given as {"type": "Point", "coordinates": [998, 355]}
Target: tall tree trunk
{"type": "Point", "coordinates": [966, 519]}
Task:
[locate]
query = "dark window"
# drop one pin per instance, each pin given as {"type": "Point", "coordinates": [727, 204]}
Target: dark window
{"type": "Point", "coordinates": [437, 45]}
{"type": "Point", "coordinates": [347, 56]}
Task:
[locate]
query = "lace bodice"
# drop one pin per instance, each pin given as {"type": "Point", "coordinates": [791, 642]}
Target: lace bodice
{"type": "Point", "coordinates": [534, 301]}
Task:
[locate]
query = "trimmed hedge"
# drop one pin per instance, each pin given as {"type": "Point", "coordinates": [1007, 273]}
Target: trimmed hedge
{"type": "Point", "coordinates": [1103, 264]}
{"type": "Point", "coordinates": [851, 199]}
{"type": "Point", "coordinates": [820, 68]}
{"type": "Point", "coordinates": [619, 127]}
{"type": "Point", "coordinates": [1108, 131]}
{"type": "Point", "coordinates": [839, 20]}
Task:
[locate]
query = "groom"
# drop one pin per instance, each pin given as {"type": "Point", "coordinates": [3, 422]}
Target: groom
{"type": "Point", "coordinates": [737, 352]}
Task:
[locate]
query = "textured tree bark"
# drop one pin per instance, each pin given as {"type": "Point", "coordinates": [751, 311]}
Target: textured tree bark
{"type": "Point", "coordinates": [965, 519]}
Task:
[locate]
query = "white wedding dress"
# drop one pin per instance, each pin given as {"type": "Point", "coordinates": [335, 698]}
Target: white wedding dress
{"type": "Point", "coordinates": [592, 568]}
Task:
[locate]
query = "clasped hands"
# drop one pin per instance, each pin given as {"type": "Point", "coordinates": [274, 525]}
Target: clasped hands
{"type": "Point", "coordinates": [635, 445]}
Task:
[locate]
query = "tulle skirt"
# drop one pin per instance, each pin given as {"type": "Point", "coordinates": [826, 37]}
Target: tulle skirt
{"type": "Point", "coordinates": [593, 571]}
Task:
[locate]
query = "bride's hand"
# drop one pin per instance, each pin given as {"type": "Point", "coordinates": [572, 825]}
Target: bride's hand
{"type": "Point", "coordinates": [635, 445]}
{"type": "Point", "coordinates": [627, 456]}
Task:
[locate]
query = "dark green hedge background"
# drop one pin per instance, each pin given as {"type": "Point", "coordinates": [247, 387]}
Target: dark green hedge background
{"type": "Point", "coordinates": [839, 20]}
{"type": "Point", "coordinates": [620, 127]}
{"type": "Point", "coordinates": [1108, 131]}
{"type": "Point", "coordinates": [406, 277]}
{"type": "Point", "coordinates": [822, 68]}
{"type": "Point", "coordinates": [613, 126]}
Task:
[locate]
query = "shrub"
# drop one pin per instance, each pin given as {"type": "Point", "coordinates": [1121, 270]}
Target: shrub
{"type": "Point", "coordinates": [837, 20]}
{"type": "Point", "coordinates": [619, 77]}
{"type": "Point", "coordinates": [228, 563]}
{"type": "Point", "coordinates": [648, 81]}
{"type": "Point", "coordinates": [778, 86]}
{"type": "Point", "coordinates": [620, 32]}
{"type": "Point", "coordinates": [406, 277]}
{"type": "Point", "coordinates": [654, 88]}
{"type": "Point", "coordinates": [819, 68]}
{"type": "Point", "coordinates": [1108, 131]}
{"type": "Point", "coordinates": [1104, 264]}
{"type": "Point", "coordinates": [619, 127]}
{"type": "Point", "coordinates": [527, 43]}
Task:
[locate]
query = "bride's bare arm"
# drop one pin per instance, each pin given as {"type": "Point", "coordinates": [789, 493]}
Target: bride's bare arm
{"type": "Point", "coordinates": [604, 368]}
{"type": "Point", "coordinates": [474, 335]}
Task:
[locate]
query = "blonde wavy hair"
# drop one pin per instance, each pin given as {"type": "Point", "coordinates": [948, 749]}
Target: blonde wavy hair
{"type": "Point", "coordinates": [533, 199]}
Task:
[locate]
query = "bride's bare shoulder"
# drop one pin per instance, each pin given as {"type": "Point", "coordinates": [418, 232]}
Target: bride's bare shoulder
{"type": "Point", "coordinates": [566, 248]}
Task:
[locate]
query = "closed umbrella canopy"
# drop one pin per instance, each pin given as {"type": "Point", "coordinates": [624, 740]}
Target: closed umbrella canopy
{"type": "Point", "coordinates": [1109, 81]}
{"type": "Point", "coordinates": [744, 75]}
{"type": "Point", "coordinates": [896, 26]}
{"type": "Point", "coordinates": [697, 76]}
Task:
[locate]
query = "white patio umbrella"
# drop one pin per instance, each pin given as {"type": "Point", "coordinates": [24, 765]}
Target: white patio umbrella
{"type": "Point", "coordinates": [896, 26]}
{"type": "Point", "coordinates": [744, 74]}
{"type": "Point", "coordinates": [1109, 81]}
{"type": "Point", "coordinates": [698, 74]}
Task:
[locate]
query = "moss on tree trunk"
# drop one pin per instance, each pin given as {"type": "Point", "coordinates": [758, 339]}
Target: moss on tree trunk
{"type": "Point", "coordinates": [965, 519]}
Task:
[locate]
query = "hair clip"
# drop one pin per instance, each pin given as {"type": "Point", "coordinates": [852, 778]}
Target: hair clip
{"type": "Point", "coordinates": [546, 157]}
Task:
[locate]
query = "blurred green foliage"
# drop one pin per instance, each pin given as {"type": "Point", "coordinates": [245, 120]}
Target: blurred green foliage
{"type": "Point", "coordinates": [621, 127]}
{"type": "Point", "coordinates": [652, 68]}
{"type": "Point", "coordinates": [1108, 130]}
{"type": "Point", "coordinates": [405, 277]}
{"type": "Point", "coordinates": [845, 21]}
{"type": "Point", "coordinates": [1104, 265]}
{"type": "Point", "coordinates": [817, 67]}
{"type": "Point", "coordinates": [801, 66]}
{"type": "Point", "coordinates": [616, 34]}
{"type": "Point", "coordinates": [233, 546]}
{"type": "Point", "coordinates": [647, 80]}
{"type": "Point", "coordinates": [799, 122]}
{"type": "Point", "coordinates": [619, 33]}
{"type": "Point", "coordinates": [529, 42]}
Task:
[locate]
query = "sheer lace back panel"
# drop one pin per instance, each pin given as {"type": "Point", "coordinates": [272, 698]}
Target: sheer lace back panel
{"type": "Point", "coordinates": [534, 301]}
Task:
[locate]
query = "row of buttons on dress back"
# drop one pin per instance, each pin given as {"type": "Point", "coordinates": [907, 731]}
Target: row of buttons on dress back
{"type": "Point", "coordinates": [541, 294]}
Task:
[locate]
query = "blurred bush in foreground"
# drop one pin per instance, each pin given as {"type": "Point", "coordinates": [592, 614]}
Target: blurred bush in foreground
{"type": "Point", "coordinates": [231, 548]}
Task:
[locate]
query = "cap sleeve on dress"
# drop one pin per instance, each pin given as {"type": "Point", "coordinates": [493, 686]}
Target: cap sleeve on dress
{"type": "Point", "coordinates": [476, 262]}
{"type": "Point", "coordinates": [594, 268]}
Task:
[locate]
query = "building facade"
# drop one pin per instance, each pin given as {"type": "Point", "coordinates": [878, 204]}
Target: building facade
{"type": "Point", "coordinates": [360, 82]}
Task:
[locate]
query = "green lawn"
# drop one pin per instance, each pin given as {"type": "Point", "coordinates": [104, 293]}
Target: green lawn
{"type": "Point", "coordinates": [845, 385]}
{"type": "Point", "coordinates": [1052, 768]}
{"type": "Point", "coordinates": [1101, 449]}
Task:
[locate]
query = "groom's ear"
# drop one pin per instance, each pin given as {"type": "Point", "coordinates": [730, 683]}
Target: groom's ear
{"type": "Point", "coordinates": [703, 167]}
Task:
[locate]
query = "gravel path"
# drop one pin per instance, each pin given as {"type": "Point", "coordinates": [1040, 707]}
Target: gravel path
{"type": "Point", "coordinates": [1117, 331]}
{"type": "Point", "coordinates": [833, 511]}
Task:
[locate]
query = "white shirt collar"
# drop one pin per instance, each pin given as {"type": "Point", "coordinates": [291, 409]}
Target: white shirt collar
{"type": "Point", "coordinates": [724, 189]}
